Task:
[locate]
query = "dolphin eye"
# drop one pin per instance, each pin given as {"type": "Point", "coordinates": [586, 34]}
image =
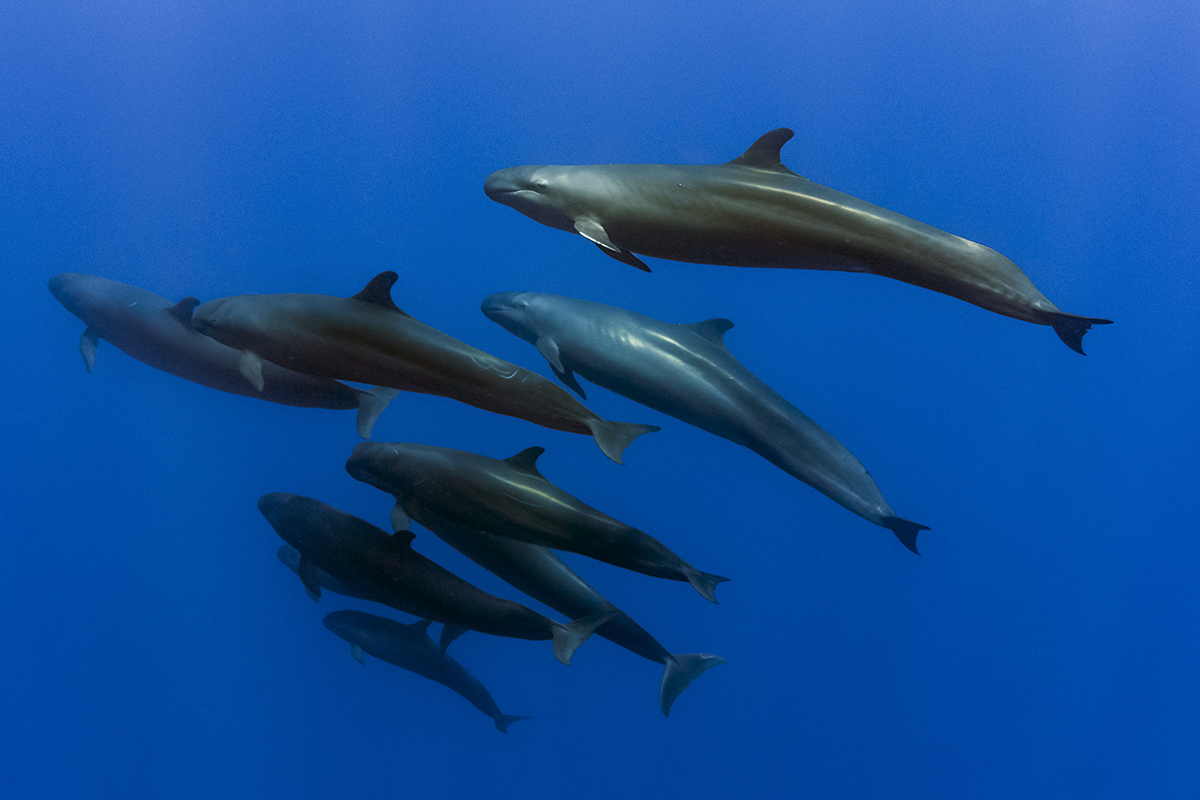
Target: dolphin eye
{"type": "Point", "coordinates": [541, 183]}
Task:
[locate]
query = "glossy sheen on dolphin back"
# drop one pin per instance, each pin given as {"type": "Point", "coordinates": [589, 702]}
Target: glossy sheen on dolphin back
{"type": "Point", "coordinates": [511, 498]}
{"type": "Point", "coordinates": [367, 338]}
{"type": "Point", "coordinates": [686, 371]}
{"type": "Point", "coordinates": [755, 212]}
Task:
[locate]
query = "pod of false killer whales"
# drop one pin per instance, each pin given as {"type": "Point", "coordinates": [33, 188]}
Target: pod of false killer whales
{"type": "Point", "coordinates": [296, 349]}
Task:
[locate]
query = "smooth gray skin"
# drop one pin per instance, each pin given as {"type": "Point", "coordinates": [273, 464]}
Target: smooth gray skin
{"type": "Point", "coordinates": [409, 647]}
{"type": "Point", "coordinates": [540, 573]}
{"type": "Point", "coordinates": [511, 498]}
{"type": "Point", "coordinates": [367, 338]}
{"type": "Point", "coordinates": [156, 332]}
{"type": "Point", "coordinates": [384, 567]}
{"type": "Point", "coordinates": [686, 371]}
{"type": "Point", "coordinates": [755, 212]}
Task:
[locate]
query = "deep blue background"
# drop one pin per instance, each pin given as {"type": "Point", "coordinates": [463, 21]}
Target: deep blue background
{"type": "Point", "coordinates": [1044, 644]}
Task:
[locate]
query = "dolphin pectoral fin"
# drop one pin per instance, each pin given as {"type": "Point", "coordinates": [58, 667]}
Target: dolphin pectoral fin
{"type": "Point", "coordinates": [625, 257]}
{"type": "Point", "coordinates": [1071, 328]}
{"type": "Point", "coordinates": [569, 380]}
{"type": "Point", "coordinates": [357, 652]}
{"type": "Point", "coordinates": [400, 518]}
{"type": "Point", "coordinates": [593, 231]}
{"type": "Point", "coordinates": [309, 576]}
{"type": "Point", "coordinates": [705, 583]}
{"type": "Point", "coordinates": [87, 347]}
{"type": "Point", "coordinates": [504, 720]}
{"type": "Point", "coordinates": [449, 634]}
{"type": "Point", "coordinates": [905, 530]}
{"type": "Point", "coordinates": [371, 404]}
{"type": "Point", "coordinates": [250, 365]}
{"type": "Point", "coordinates": [614, 437]}
{"type": "Point", "coordinates": [568, 638]}
{"type": "Point", "coordinates": [678, 674]}
{"type": "Point", "coordinates": [549, 350]}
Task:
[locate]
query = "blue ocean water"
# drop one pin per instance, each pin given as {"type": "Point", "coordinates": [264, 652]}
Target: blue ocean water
{"type": "Point", "coordinates": [1043, 645]}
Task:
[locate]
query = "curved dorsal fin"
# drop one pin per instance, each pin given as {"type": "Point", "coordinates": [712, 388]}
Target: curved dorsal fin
{"type": "Point", "coordinates": [379, 291]}
{"type": "Point", "coordinates": [713, 329]}
{"type": "Point", "coordinates": [764, 154]}
{"type": "Point", "coordinates": [401, 539]}
{"type": "Point", "coordinates": [526, 460]}
{"type": "Point", "coordinates": [182, 310]}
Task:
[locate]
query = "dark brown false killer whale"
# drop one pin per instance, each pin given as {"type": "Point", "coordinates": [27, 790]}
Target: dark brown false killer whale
{"type": "Point", "coordinates": [385, 568]}
{"type": "Point", "coordinates": [409, 647]}
{"type": "Point", "coordinates": [540, 573]}
{"type": "Point", "coordinates": [366, 338]}
{"type": "Point", "coordinates": [511, 498]}
{"type": "Point", "coordinates": [686, 371]}
{"type": "Point", "coordinates": [156, 332]}
{"type": "Point", "coordinates": [755, 212]}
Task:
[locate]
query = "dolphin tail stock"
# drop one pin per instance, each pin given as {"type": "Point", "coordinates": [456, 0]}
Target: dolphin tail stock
{"type": "Point", "coordinates": [371, 404]}
{"type": "Point", "coordinates": [678, 674]}
{"type": "Point", "coordinates": [906, 531]}
{"type": "Point", "coordinates": [1071, 328]}
{"type": "Point", "coordinates": [504, 720]}
{"type": "Point", "coordinates": [705, 583]}
{"type": "Point", "coordinates": [614, 437]}
{"type": "Point", "coordinates": [568, 638]}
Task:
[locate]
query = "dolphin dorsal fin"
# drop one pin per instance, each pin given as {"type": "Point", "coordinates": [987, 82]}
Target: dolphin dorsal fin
{"type": "Point", "coordinates": [182, 310]}
{"type": "Point", "coordinates": [379, 291]}
{"type": "Point", "coordinates": [401, 539]}
{"type": "Point", "coordinates": [713, 329]}
{"type": "Point", "coordinates": [764, 154]}
{"type": "Point", "coordinates": [526, 460]}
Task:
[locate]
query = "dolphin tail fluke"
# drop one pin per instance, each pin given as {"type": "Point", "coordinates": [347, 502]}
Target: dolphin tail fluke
{"type": "Point", "coordinates": [1071, 328]}
{"type": "Point", "coordinates": [679, 673]}
{"type": "Point", "coordinates": [614, 437]}
{"type": "Point", "coordinates": [906, 531]}
{"type": "Point", "coordinates": [370, 405]}
{"type": "Point", "coordinates": [705, 583]}
{"type": "Point", "coordinates": [568, 638]}
{"type": "Point", "coordinates": [504, 720]}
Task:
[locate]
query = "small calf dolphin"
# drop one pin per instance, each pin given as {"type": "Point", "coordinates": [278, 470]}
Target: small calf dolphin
{"type": "Point", "coordinates": [755, 212]}
{"type": "Point", "coordinates": [366, 338]}
{"type": "Point", "coordinates": [385, 568]}
{"type": "Point", "coordinates": [688, 372]}
{"type": "Point", "coordinates": [156, 332]}
{"type": "Point", "coordinates": [539, 573]}
{"type": "Point", "coordinates": [511, 498]}
{"type": "Point", "coordinates": [409, 647]}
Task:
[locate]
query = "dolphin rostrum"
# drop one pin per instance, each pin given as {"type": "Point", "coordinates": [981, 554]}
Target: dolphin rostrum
{"type": "Point", "coordinates": [367, 338]}
{"type": "Point", "coordinates": [409, 647]}
{"type": "Point", "coordinates": [686, 371]}
{"type": "Point", "coordinates": [384, 567]}
{"type": "Point", "coordinates": [511, 498]}
{"type": "Point", "coordinates": [755, 212]}
{"type": "Point", "coordinates": [539, 573]}
{"type": "Point", "coordinates": [156, 332]}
